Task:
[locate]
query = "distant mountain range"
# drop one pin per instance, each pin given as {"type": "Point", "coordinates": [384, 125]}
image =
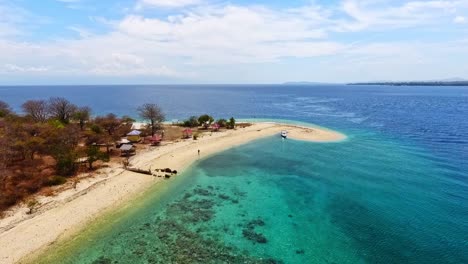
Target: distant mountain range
{"type": "Point", "coordinates": [456, 81]}
{"type": "Point", "coordinates": [443, 82]}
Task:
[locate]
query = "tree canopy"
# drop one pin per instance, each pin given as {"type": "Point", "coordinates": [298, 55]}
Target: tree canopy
{"type": "Point", "coordinates": [82, 115]}
{"type": "Point", "coordinates": [61, 109]}
{"type": "Point", "coordinates": [191, 122]}
{"type": "Point", "coordinates": [94, 154]}
{"type": "Point", "coordinates": [4, 109]}
{"type": "Point", "coordinates": [152, 113]}
{"type": "Point", "coordinates": [42, 146]}
{"type": "Point", "coordinates": [231, 123]}
{"type": "Point", "coordinates": [205, 120]}
{"type": "Point", "coordinates": [38, 110]}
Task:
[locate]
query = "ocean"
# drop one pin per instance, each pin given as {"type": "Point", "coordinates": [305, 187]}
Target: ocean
{"type": "Point", "coordinates": [396, 191]}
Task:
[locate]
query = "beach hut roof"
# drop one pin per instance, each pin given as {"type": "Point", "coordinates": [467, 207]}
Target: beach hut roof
{"type": "Point", "coordinates": [126, 147]}
{"type": "Point", "coordinates": [124, 141]}
{"type": "Point", "coordinates": [134, 133]}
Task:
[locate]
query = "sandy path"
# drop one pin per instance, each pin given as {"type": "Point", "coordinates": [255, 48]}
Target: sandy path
{"type": "Point", "coordinates": [72, 210]}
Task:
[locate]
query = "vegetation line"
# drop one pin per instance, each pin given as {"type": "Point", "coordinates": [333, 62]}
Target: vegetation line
{"type": "Point", "coordinates": [54, 140]}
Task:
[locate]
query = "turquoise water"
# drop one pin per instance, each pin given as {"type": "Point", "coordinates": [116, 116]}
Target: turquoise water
{"type": "Point", "coordinates": [395, 192]}
{"type": "Point", "coordinates": [363, 200]}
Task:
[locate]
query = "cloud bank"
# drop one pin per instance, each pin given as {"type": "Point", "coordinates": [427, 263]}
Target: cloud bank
{"type": "Point", "coordinates": [193, 40]}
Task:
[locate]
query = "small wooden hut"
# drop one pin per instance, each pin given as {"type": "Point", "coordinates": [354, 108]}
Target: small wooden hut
{"type": "Point", "coordinates": [134, 136]}
{"type": "Point", "coordinates": [127, 150]}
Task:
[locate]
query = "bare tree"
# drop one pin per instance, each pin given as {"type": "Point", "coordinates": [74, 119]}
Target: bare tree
{"type": "Point", "coordinates": [153, 113]}
{"type": "Point", "coordinates": [110, 123]}
{"type": "Point", "coordinates": [36, 109]}
{"type": "Point", "coordinates": [4, 109]}
{"type": "Point", "coordinates": [82, 115]}
{"type": "Point", "coordinates": [61, 109]}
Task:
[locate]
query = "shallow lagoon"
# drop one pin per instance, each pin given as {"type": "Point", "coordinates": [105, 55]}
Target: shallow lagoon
{"type": "Point", "coordinates": [396, 191]}
{"type": "Point", "coordinates": [363, 200]}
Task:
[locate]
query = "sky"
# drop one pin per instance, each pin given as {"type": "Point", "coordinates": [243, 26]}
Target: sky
{"type": "Point", "coordinates": [231, 42]}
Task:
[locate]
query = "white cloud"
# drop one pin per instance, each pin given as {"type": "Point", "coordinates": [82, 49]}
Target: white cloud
{"type": "Point", "coordinates": [381, 15]}
{"type": "Point", "coordinates": [231, 34]}
{"type": "Point", "coordinates": [13, 68]}
{"type": "Point", "coordinates": [227, 36]}
{"type": "Point", "coordinates": [459, 20]}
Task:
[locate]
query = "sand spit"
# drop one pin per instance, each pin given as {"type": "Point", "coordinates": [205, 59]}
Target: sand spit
{"type": "Point", "coordinates": [59, 217]}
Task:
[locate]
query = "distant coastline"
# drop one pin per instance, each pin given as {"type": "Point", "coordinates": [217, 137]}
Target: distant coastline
{"type": "Point", "coordinates": [308, 83]}
{"type": "Point", "coordinates": [415, 83]}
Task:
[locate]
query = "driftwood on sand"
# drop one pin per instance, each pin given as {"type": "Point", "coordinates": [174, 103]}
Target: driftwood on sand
{"type": "Point", "coordinates": [147, 172]}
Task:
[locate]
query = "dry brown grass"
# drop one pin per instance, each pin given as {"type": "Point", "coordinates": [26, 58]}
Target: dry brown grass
{"type": "Point", "coordinates": [172, 133]}
{"type": "Point", "coordinates": [47, 191]}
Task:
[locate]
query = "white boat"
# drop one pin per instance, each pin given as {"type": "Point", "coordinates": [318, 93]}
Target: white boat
{"type": "Point", "coordinates": [284, 134]}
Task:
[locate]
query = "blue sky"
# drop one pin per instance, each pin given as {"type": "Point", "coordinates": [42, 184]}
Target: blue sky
{"type": "Point", "coordinates": [210, 41]}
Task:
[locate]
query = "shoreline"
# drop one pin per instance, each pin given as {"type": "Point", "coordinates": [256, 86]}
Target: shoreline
{"type": "Point", "coordinates": [23, 239]}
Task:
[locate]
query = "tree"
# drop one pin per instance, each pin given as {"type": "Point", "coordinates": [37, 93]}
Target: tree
{"type": "Point", "coordinates": [34, 145]}
{"type": "Point", "coordinates": [82, 115]}
{"type": "Point", "coordinates": [232, 123]}
{"type": "Point", "coordinates": [205, 120]}
{"type": "Point", "coordinates": [61, 109]}
{"type": "Point", "coordinates": [61, 144]}
{"type": "Point", "coordinates": [222, 122]}
{"type": "Point", "coordinates": [4, 109]}
{"type": "Point", "coordinates": [154, 114]}
{"type": "Point", "coordinates": [191, 122]}
{"type": "Point", "coordinates": [110, 123]}
{"type": "Point", "coordinates": [36, 109]}
{"type": "Point", "coordinates": [94, 154]}
{"type": "Point", "coordinates": [33, 137]}
{"type": "Point", "coordinates": [126, 124]}
{"type": "Point", "coordinates": [127, 120]}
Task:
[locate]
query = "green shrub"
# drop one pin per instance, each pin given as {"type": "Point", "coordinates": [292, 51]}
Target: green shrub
{"type": "Point", "coordinates": [96, 129]}
{"type": "Point", "coordinates": [231, 123]}
{"type": "Point", "coordinates": [66, 166]}
{"type": "Point", "coordinates": [56, 180]}
{"type": "Point", "coordinates": [56, 123]}
{"type": "Point", "coordinates": [222, 122]}
{"type": "Point", "coordinates": [205, 120]}
{"type": "Point", "coordinates": [191, 122]}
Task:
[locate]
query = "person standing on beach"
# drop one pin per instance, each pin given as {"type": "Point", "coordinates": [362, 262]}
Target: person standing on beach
{"type": "Point", "coordinates": [198, 153]}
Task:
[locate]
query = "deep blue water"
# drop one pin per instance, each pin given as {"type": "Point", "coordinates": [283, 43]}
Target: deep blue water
{"type": "Point", "coordinates": [395, 192]}
{"type": "Point", "coordinates": [434, 118]}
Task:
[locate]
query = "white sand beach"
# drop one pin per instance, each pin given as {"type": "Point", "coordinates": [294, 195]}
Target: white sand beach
{"type": "Point", "coordinates": [59, 217]}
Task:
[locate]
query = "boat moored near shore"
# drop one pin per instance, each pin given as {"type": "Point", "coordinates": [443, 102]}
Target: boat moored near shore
{"type": "Point", "coordinates": [284, 134]}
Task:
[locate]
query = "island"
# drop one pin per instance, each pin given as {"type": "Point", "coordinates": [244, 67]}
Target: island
{"type": "Point", "coordinates": [41, 220]}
